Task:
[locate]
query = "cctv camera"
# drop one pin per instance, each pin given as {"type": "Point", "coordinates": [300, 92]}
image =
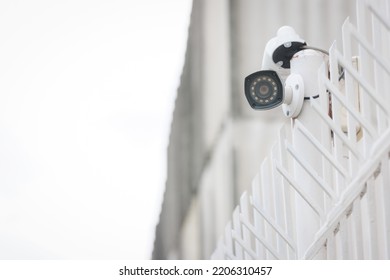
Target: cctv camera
{"type": "Point", "coordinates": [265, 89]}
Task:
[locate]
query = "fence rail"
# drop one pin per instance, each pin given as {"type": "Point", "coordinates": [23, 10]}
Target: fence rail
{"type": "Point", "coordinates": [326, 194]}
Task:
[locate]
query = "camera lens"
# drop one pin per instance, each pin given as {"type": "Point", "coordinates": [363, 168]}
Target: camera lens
{"type": "Point", "coordinates": [263, 90]}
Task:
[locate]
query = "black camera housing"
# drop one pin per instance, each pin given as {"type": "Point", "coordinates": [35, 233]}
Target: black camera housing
{"type": "Point", "coordinates": [264, 90]}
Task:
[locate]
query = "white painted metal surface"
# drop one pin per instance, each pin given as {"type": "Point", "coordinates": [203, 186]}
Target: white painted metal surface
{"type": "Point", "coordinates": [324, 190]}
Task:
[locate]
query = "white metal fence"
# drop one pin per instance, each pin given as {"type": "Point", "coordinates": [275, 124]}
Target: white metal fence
{"type": "Point", "coordinates": [326, 195]}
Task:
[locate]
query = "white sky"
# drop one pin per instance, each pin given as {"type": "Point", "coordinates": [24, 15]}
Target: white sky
{"type": "Point", "coordinates": [86, 95]}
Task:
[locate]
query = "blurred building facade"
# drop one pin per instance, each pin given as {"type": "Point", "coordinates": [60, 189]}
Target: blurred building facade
{"type": "Point", "coordinates": [217, 141]}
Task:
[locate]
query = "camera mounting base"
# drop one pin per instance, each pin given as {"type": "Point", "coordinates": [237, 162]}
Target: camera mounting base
{"type": "Point", "coordinates": [294, 96]}
{"type": "Point", "coordinates": [284, 53]}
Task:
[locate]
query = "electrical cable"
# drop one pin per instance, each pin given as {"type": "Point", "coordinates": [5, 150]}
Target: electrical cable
{"type": "Point", "coordinates": [316, 49]}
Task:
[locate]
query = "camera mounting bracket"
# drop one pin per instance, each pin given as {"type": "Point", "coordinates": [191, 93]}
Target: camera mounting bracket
{"type": "Point", "coordinates": [284, 53]}
{"type": "Point", "coordinates": [294, 95]}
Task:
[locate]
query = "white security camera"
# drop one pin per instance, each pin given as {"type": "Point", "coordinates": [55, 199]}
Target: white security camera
{"type": "Point", "coordinates": [265, 89]}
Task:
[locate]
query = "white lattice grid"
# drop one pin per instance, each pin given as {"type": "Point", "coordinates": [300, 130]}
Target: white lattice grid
{"type": "Point", "coordinates": [350, 174]}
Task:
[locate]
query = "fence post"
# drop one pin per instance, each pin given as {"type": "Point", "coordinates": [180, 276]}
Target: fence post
{"type": "Point", "coordinates": [306, 64]}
